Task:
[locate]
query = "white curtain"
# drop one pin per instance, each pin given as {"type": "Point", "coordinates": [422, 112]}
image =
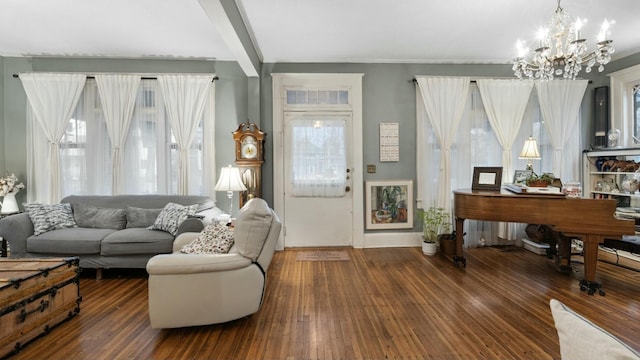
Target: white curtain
{"type": "Point", "coordinates": [52, 98]}
{"type": "Point", "coordinates": [185, 97]}
{"type": "Point", "coordinates": [208, 162]}
{"type": "Point", "coordinates": [118, 96]}
{"type": "Point", "coordinates": [505, 102]}
{"type": "Point", "coordinates": [444, 100]}
{"type": "Point", "coordinates": [319, 160]}
{"type": "Point", "coordinates": [560, 102]}
{"type": "Point", "coordinates": [475, 144]}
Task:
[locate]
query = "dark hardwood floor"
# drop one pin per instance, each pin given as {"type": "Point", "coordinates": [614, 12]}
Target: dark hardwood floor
{"type": "Point", "coordinates": [391, 303]}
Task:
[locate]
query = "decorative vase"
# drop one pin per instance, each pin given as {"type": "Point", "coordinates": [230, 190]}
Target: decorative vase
{"type": "Point", "coordinates": [429, 248]}
{"type": "Point", "coordinates": [9, 204]}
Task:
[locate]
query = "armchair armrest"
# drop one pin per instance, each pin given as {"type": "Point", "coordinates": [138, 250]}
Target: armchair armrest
{"type": "Point", "coordinates": [16, 229]}
{"type": "Point", "coordinates": [174, 264]}
{"type": "Point", "coordinates": [184, 239]}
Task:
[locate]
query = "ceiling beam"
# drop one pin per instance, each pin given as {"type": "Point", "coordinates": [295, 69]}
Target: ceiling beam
{"type": "Point", "coordinates": [226, 17]}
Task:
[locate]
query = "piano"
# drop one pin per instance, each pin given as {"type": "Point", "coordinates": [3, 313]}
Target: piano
{"type": "Point", "coordinates": [591, 220]}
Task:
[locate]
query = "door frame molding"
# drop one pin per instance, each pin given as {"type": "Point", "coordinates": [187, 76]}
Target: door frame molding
{"type": "Point", "coordinates": [351, 81]}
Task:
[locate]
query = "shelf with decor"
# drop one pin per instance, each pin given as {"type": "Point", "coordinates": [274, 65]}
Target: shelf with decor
{"type": "Point", "coordinates": [613, 174]}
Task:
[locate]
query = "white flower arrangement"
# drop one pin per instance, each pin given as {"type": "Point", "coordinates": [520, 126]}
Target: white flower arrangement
{"type": "Point", "coordinates": [9, 184]}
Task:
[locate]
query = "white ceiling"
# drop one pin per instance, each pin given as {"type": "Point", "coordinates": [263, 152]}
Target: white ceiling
{"type": "Point", "coordinates": [395, 31]}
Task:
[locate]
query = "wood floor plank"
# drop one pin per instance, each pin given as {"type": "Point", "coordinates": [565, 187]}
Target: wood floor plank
{"type": "Point", "coordinates": [381, 304]}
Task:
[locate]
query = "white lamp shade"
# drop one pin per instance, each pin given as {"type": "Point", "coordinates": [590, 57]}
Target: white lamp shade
{"type": "Point", "coordinates": [530, 149]}
{"type": "Point", "coordinates": [230, 180]}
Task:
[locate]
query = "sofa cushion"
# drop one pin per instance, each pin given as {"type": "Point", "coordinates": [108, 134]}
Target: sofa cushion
{"type": "Point", "coordinates": [583, 340]}
{"type": "Point", "coordinates": [50, 217]}
{"type": "Point", "coordinates": [90, 216]}
{"type": "Point", "coordinates": [252, 227]}
{"type": "Point", "coordinates": [136, 241]}
{"type": "Point", "coordinates": [141, 218]}
{"type": "Point", "coordinates": [77, 241]}
{"type": "Point", "coordinates": [214, 239]}
{"type": "Point", "coordinates": [171, 216]}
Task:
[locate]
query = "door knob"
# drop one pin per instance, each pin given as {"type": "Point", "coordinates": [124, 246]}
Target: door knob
{"type": "Point", "coordinates": [347, 189]}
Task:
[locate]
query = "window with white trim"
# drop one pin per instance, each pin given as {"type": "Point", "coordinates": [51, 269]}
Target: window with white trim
{"type": "Point", "coordinates": [150, 154]}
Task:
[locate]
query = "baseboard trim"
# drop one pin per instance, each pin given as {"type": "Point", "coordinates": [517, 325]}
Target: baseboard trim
{"type": "Point", "coordinates": [389, 239]}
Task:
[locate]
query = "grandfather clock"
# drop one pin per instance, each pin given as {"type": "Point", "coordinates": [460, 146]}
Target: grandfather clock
{"type": "Point", "coordinates": [249, 158]}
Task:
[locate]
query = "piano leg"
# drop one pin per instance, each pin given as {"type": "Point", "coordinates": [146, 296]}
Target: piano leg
{"type": "Point", "coordinates": [563, 255]}
{"type": "Point", "coordinates": [589, 283]}
{"type": "Point", "coordinates": [458, 258]}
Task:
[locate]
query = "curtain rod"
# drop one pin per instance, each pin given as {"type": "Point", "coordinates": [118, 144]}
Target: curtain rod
{"type": "Point", "coordinates": [415, 81]}
{"type": "Point", "coordinates": [141, 78]}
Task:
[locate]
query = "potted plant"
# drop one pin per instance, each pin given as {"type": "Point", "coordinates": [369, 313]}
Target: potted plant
{"type": "Point", "coordinates": [535, 180]}
{"type": "Point", "coordinates": [435, 221]}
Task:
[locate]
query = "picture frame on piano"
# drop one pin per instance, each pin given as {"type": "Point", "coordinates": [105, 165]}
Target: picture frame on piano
{"type": "Point", "coordinates": [487, 178]}
{"type": "Point", "coordinates": [520, 176]}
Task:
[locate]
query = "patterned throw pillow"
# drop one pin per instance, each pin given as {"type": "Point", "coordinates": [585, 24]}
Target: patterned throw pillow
{"type": "Point", "coordinates": [214, 239]}
{"type": "Point", "coordinates": [50, 217]}
{"type": "Point", "coordinates": [171, 216]}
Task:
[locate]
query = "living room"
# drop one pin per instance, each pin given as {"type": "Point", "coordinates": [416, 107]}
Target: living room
{"type": "Point", "coordinates": [244, 90]}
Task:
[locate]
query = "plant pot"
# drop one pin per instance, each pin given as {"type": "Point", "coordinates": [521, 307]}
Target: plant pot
{"type": "Point", "coordinates": [429, 248]}
{"type": "Point", "coordinates": [447, 244]}
{"type": "Point", "coordinates": [542, 183]}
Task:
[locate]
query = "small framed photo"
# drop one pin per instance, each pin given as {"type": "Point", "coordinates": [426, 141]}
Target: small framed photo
{"type": "Point", "coordinates": [487, 178]}
{"type": "Point", "coordinates": [520, 176]}
{"type": "Point", "coordinates": [389, 204]}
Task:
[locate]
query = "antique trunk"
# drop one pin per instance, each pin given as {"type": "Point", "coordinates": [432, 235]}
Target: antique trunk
{"type": "Point", "coordinates": [36, 295]}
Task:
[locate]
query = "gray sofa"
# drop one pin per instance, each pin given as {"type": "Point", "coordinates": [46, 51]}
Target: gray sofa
{"type": "Point", "coordinates": [128, 245]}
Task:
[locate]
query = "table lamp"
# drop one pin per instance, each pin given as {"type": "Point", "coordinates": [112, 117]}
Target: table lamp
{"type": "Point", "coordinates": [530, 152]}
{"type": "Point", "coordinates": [230, 181]}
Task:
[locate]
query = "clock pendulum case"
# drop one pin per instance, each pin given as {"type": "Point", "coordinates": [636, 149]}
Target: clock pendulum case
{"type": "Point", "coordinates": [249, 142]}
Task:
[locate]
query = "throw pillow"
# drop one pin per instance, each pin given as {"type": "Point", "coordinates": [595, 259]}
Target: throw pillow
{"type": "Point", "coordinates": [50, 217]}
{"type": "Point", "coordinates": [141, 218]}
{"type": "Point", "coordinates": [171, 216]}
{"type": "Point", "coordinates": [89, 216]}
{"type": "Point", "coordinates": [581, 339]}
{"type": "Point", "coordinates": [214, 239]}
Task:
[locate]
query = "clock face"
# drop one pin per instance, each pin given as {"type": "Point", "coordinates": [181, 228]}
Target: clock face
{"type": "Point", "coordinates": [249, 151]}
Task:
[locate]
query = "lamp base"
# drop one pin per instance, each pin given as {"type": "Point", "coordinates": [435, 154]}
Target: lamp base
{"type": "Point", "coordinates": [230, 196]}
{"type": "Point", "coordinates": [529, 165]}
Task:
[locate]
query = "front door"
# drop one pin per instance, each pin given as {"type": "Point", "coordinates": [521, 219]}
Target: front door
{"type": "Point", "coordinates": [317, 159]}
{"type": "Point", "coordinates": [317, 172]}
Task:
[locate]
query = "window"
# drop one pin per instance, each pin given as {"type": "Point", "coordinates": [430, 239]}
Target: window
{"type": "Point", "coordinates": [150, 155]}
{"type": "Point", "coordinates": [318, 164]}
{"type": "Point", "coordinates": [636, 112]}
{"type": "Point", "coordinates": [625, 115]}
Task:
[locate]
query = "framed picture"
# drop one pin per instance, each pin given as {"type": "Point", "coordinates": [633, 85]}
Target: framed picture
{"type": "Point", "coordinates": [520, 176]}
{"type": "Point", "coordinates": [389, 204]}
{"type": "Point", "coordinates": [487, 178]}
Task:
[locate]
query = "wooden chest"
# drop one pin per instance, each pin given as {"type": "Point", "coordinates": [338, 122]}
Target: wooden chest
{"type": "Point", "coordinates": [36, 295]}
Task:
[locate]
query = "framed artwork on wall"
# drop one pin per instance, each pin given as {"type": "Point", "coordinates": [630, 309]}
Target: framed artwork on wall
{"type": "Point", "coordinates": [389, 204]}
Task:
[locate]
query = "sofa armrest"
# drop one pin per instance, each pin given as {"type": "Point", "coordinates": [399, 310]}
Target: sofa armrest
{"type": "Point", "coordinates": [175, 264]}
{"type": "Point", "coordinates": [191, 224]}
{"type": "Point", "coordinates": [16, 229]}
{"type": "Point", "coordinates": [184, 239]}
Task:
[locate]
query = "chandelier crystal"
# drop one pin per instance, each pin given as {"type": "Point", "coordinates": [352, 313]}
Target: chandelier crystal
{"type": "Point", "coordinates": [561, 51]}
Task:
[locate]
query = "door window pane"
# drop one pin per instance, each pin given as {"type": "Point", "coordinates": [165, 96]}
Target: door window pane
{"type": "Point", "coordinates": [318, 157]}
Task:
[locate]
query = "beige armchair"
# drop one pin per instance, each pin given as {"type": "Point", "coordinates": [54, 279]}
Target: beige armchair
{"type": "Point", "coordinates": [201, 289]}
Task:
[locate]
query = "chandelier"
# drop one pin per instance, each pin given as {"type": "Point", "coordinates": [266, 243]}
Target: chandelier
{"type": "Point", "coordinates": [561, 51]}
